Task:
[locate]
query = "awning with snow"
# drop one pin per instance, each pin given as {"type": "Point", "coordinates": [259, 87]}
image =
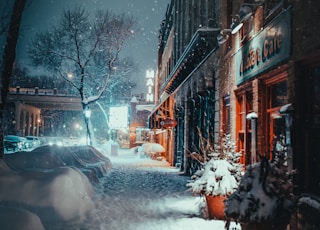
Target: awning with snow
{"type": "Point", "coordinates": [202, 45]}
{"type": "Point", "coordinates": [160, 113]}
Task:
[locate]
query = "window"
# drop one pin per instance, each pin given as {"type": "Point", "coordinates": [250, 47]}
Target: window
{"type": "Point", "coordinates": [277, 97]}
{"type": "Point", "coordinates": [272, 6]}
{"type": "Point", "coordinates": [246, 30]}
{"type": "Point", "coordinates": [142, 134]}
{"type": "Point", "coordinates": [226, 115]}
{"type": "Point", "coordinates": [244, 107]}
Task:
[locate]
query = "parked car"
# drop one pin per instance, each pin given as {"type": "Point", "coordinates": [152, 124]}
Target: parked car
{"type": "Point", "coordinates": [14, 143]}
{"type": "Point", "coordinates": [33, 141]}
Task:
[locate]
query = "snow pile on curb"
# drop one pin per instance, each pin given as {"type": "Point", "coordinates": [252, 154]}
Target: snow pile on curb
{"type": "Point", "coordinates": [88, 159]}
{"type": "Point", "coordinates": [60, 195]}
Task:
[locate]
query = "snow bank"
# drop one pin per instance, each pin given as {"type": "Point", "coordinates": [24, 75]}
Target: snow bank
{"type": "Point", "coordinates": [16, 218]}
{"type": "Point", "coordinates": [106, 148]}
{"type": "Point", "coordinates": [49, 185]}
{"type": "Point", "coordinates": [88, 159]}
{"type": "Point", "coordinates": [62, 194]}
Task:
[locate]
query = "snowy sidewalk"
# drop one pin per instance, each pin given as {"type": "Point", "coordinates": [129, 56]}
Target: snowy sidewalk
{"type": "Point", "coordinates": [144, 194]}
{"type": "Point", "coordinates": [127, 158]}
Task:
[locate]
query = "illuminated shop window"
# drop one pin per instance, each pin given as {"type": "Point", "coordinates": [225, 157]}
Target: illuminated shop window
{"type": "Point", "coordinates": [244, 107]}
{"type": "Point", "coordinates": [142, 134]}
{"type": "Point", "coordinates": [277, 97]}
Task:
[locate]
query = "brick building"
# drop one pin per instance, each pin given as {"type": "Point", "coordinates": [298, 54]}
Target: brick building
{"type": "Point", "coordinates": [248, 68]}
{"type": "Point", "coordinates": [187, 69]}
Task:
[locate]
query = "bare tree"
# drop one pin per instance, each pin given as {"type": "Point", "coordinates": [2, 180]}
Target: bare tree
{"type": "Point", "coordinates": [84, 51]}
{"type": "Point", "coordinates": [9, 56]}
{"type": "Point", "coordinates": [4, 17]}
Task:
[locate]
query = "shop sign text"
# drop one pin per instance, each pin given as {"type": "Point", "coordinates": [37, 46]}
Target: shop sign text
{"type": "Point", "coordinates": [270, 47]}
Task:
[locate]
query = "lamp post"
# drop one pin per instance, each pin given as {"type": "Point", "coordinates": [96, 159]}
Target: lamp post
{"type": "Point", "coordinates": [253, 116]}
{"type": "Point", "coordinates": [87, 114]}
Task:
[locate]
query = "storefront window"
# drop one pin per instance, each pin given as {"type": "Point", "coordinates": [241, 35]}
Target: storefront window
{"type": "Point", "coordinates": [142, 135]}
{"type": "Point", "coordinates": [226, 115]}
{"type": "Point", "coordinates": [277, 97]}
{"type": "Point", "coordinates": [278, 93]}
{"type": "Point", "coordinates": [244, 107]}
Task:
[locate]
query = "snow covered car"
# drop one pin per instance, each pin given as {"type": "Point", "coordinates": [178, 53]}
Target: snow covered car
{"type": "Point", "coordinates": [14, 143]}
{"type": "Point", "coordinates": [33, 141]}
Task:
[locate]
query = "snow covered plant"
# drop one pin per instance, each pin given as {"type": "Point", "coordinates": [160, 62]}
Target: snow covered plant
{"type": "Point", "coordinates": [264, 194]}
{"type": "Point", "coordinates": [221, 174]}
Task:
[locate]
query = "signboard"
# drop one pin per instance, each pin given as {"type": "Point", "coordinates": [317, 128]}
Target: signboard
{"type": "Point", "coordinates": [118, 117]}
{"type": "Point", "coordinates": [168, 123]}
{"type": "Point", "coordinates": [150, 85]}
{"type": "Point", "coordinates": [267, 49]}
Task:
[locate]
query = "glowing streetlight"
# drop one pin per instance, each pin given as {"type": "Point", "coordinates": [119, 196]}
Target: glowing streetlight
{"type": "Point", "coordinates": [70, 75]}
{"type": "Point", "coordinates": [87, 113]}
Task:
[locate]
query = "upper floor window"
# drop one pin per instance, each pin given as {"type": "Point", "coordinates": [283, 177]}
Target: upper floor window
{"type": "Point", "coordinates": [272, 6]}
{"type": "Point", "coordinates": [278, 94]}
{"type": "Point", "coordinates": [246, 30]}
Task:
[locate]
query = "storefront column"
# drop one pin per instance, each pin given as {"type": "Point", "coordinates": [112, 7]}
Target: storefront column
{"type": "Point", "coordinates": [253, 119]}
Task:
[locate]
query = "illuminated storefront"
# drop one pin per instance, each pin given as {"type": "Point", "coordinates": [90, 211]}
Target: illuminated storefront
{"type": "Point", "coordinates": [261, 78]}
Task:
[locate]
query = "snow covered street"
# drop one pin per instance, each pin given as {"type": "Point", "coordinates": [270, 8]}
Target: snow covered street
{"type": "Point", "coordinates": [144, 194]}
{"type": "Point", "coordinates": [49, 188]}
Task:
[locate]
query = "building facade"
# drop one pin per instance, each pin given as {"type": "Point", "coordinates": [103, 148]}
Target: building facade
{"type": "Point", "coordinates": [261, 83]}
{"type": "Point", "coordinates": [187, 68]}
{"type": "Point", "coordinates": [274, 93]}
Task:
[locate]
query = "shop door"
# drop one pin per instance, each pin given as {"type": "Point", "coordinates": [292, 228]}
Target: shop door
{"type": "Point", "coordinates": [276, 122]}
{"type": "Point", "coordinates": [244, 107]}
{"type": "Point", "coordinates": [277, 131]}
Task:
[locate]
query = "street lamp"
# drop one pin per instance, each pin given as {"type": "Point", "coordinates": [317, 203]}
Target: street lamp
{"type": "Point", "coordinates": [245, 12]}
{"type": "Point", "coordinates": [87, 113]}
{"type": "Point", "coordinates": [253, 116]}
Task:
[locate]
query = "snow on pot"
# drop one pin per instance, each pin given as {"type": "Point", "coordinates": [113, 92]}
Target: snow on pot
{"type": "Point", "coordinates": [219, 177]}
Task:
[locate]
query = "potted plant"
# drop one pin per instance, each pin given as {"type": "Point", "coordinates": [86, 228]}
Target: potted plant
{"type": "Point", "coordinates": [264, 198]}
{"type": "Point", "coordinates": [219, 176]}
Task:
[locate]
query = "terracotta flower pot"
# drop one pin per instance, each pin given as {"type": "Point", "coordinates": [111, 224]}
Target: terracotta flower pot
{"type": "Point", "coordinates": [215, 207]}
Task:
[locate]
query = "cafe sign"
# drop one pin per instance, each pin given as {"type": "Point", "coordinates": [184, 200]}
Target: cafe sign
{"type": "Point", "coordinates": [268, 48]}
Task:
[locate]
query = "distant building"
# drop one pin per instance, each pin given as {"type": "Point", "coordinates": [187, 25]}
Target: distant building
{"type": "Point", "coordinates": [139, 131]}
{"type": "Point", "coordinates": [185, 80]}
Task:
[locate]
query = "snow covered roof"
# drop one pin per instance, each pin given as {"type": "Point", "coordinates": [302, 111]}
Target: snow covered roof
{"type": "Point", "coordinates": [252, 115]}
{"type": "Point", "coordinates": [147, 107]}
{"type": "Point", "coordinates": [286, 108]}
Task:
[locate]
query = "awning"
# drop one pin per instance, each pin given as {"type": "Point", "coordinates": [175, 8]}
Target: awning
{"type": "Point", "coordinates": [163, 98]}
{"type": "Point", "coordinates": [202, 45]}
{"type": "Point", "coordinates": [158, 113]}
{"type": "Point", "coordinates": [147, 107]}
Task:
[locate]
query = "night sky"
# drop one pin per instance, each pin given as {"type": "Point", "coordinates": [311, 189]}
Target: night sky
{"type": "Point", "coordinates": [39, 15]}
